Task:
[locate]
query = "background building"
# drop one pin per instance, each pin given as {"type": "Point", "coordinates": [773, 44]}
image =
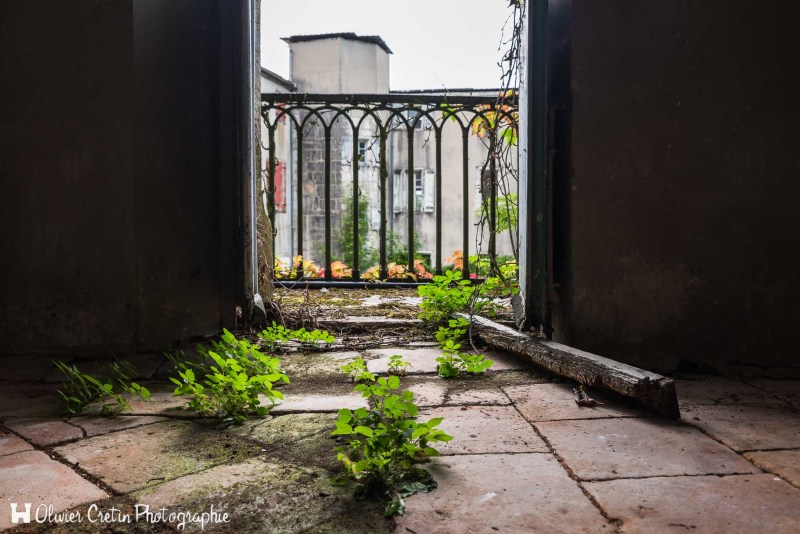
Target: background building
{"type": "Point", "coordinates": [272, 83]}
{"type": "Point", "coordinates": [346, 63]}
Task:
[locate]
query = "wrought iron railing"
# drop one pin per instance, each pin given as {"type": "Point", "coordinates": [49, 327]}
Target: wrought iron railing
{"type": "Point", "coordinates": [380, 115]}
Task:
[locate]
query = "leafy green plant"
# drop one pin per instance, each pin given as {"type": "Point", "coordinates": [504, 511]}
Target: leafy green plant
{"type": "Point", "coordinates": [384, 443]}
{"type": "Point", "coordinates": [452, 362]}
{"type": "Point", "coordinates": [228, 380]}
{"type": "Point", "coordinates": [357, 369]}
{"type": "Point", "coordinates": [481, 265]}
{"type": "Point", "coordinates": [474, 364]}
{"type": "Point", "coordinates": [108, 388]}
{"type": "Point", "coordinates": [313, 339]}
{"type": "Point", "coordinates": [397, 365]}
{"type": "Point", "coordinates": [447, 366]}
{"type": "Point", "coordinates": [455, 330]}
{"type": "Point", "coordinates": [449, 293]}
{"type": "Point", "coordinates": [507, 212]}
{"type": "Point", "coordinates": [344, 234]}
{"type": "Point", "coordinates": [273, 337]}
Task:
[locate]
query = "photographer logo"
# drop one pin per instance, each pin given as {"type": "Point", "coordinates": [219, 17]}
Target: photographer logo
{"type": "Point", "coordinates": [17, 516]}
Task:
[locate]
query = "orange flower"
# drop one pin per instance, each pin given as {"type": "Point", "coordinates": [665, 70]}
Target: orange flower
{"type": "Point", "coordinates": [340, 270]}
{"type": "Point", "coordinates": [308, 267]}
{"type": "Point", "coordinates": [419, 268]}
{"type": "Point", "coordinates": [457, 259]}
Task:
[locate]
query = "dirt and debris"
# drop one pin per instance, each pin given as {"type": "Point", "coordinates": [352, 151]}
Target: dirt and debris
{"type": "Point", "coordinates": [583, 400]}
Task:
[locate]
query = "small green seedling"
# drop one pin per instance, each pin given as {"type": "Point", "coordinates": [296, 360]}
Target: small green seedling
{"type": "Point", "coordinates": [313, 339]}
{"type": "Point", "coordinates": [274, 337]}
{"type": "Point", "coordinates": [397, 365]}
{"type": "Point", "coordinates": [447, 366]}
{"type": "Point", "coordinates": [357, 369]}
{"type": "Point", "coordinates": [448, 362]}
{"type": "Point", "coordinates": [109, 387]}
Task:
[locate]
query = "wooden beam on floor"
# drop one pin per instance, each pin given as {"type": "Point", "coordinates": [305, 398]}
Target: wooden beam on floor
{"type": "Point", "coordinates": [651, 389]}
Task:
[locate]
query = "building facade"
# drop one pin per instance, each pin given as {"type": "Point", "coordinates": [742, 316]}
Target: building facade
{"type": "Point", "coordinates": [352, 64]}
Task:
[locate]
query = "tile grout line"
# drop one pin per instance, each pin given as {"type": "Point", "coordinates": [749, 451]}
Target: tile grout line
{"type": "Point", "coordinates": [97, 481]}
{"type": "Point", "coordinates": [616, 523]}
{"type": "Point", "coordinates": [83, 430]}
{"type": "Point", "coordinates": [784, 401]}
{"type": "Point", "coordinates": [741, 454]}
{"type": "Point", "coordinates": [57, 457]}
{"type": "Point", "coordinates": [682, 475]}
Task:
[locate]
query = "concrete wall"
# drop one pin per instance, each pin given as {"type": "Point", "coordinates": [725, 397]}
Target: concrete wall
{"type": "Point", "coordinates": [686, 180]}
{"type": "Point", "coordinates": [339, 66]}
{"type": "Point", "coordinates": [118, 174]}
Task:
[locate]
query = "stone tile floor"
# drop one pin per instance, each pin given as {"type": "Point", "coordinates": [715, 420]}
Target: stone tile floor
{"type": "Point", "coordinates": [525, 457]}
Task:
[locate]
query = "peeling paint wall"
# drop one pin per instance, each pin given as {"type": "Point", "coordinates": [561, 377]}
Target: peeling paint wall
{"type": "Point", "coordinates": [685, 182]}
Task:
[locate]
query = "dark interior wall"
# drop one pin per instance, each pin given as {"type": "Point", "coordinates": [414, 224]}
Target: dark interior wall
{"type": "Point", "coordinates": [683, 209]}
{"type": "Point", "coordinates": [177, 161]}
{"type": "Point", "coordinates": [67, 181]}
{"type": "Point", "coordinates": [119, 166]}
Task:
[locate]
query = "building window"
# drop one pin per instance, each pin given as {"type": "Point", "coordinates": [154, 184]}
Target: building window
{"type": "Point", "coordinates": [363, 146]}
{"type": "Point", "coordinates": [418, 190]}
{"type": "Point", "coordinates": [424, 191]}
{"type": "Point", "coordinates": [422, 123]}
{"type": "Point", "coordinates": [347, 150]}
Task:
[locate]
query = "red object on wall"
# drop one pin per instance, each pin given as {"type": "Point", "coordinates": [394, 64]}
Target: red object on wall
{"type": "Point", "coordinates": [280, 187]}
{"type": "Point", "coordinates": [281, 113]}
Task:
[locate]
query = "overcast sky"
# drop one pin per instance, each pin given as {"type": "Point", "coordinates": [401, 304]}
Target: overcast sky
{"type": "Point", "coordinates": [435, 43]}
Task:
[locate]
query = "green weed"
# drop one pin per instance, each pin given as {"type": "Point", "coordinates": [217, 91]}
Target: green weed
{"type": "Point", "coordinates": [397, 365]}
{"type": "Point", "coordinates": [357, 369]}
{"type": "Point", "coordinates": [384, 444]}
{"type": "Point", "coordinates": [227, 381]}
{"type": "Point", "coordinates": [109, 387]}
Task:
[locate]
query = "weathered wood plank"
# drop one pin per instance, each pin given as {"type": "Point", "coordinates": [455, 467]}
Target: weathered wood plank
{"type": "Point", "coordinates": [651, 389]}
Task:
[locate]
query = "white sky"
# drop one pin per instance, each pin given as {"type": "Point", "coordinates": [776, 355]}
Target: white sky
{"type": "Point", "coordinates": [435, 43]}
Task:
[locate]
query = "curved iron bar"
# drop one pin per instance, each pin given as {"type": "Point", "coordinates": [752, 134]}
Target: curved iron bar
{"type": "Point", "coordinates": [389, 113]}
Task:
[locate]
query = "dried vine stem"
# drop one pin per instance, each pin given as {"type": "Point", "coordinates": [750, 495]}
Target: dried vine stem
{"type": "Point", "coordinates": [501, 147]}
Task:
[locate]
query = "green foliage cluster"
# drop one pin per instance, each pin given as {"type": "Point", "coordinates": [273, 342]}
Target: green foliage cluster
{"type": "Point", "coordinates": [396, 244]}
{"type": "Point", "coordinates": [455, 330]}
{"type": "Point", "coordinates": [449, 293]}
{"type": "Point", "coordinates": [357, 369]}
{"type": "Point", "coordinates": [313, 339]}
{"type": "Point", "coordinates": [453, 361]}
{"type": "Point", "coordinates": [507, 212]}
{"type": "Point", "coordinates": [108, 388]}
{"type": "Point", "coordinates": [274, 338]}
{"type": "Point", "coordinates": [482, 265]}
{"type": "Point", "coordinates": [384, 444]}
{"type": "Point", "coordinates": [228, 379]}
